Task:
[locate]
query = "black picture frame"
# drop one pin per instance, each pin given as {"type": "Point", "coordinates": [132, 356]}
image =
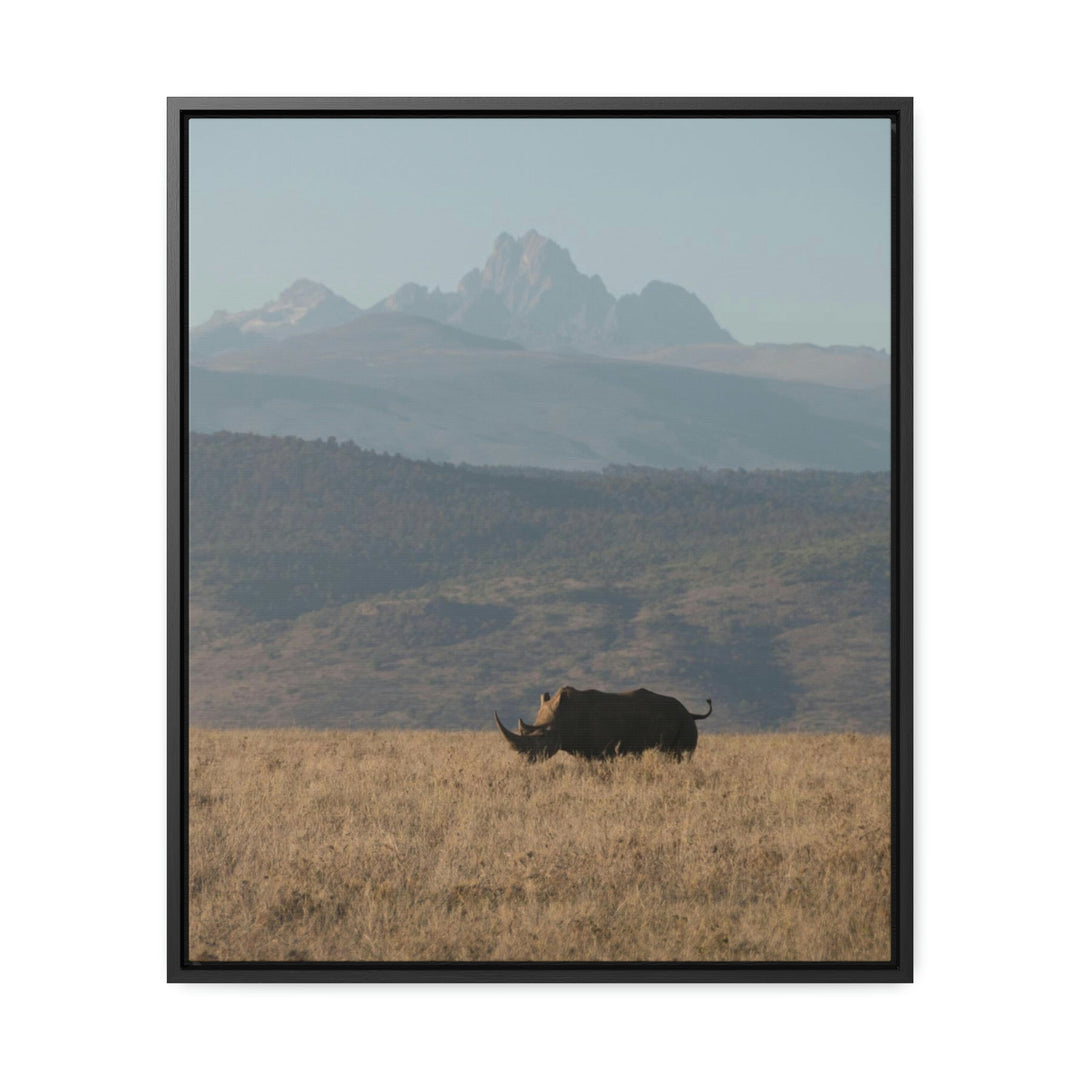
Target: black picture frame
{"type": "Point", "coordinates": [899, 969]}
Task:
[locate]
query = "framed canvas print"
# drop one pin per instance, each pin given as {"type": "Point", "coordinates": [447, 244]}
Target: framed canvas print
{"type": "Point", "coordinates": [540, 524]}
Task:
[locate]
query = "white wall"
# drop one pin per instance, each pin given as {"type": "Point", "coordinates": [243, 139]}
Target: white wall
{"type": "Point", "coordinates": [83, 443]}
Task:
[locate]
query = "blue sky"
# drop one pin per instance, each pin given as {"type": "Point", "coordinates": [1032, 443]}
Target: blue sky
{"type": "Point", "coordinates": [780, 226]}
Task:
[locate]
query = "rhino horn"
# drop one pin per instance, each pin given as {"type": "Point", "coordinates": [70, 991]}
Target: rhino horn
{"type": "Point", "coordinates": [518, 742]}
{"type": "Point", "coordinates": [537, 743]}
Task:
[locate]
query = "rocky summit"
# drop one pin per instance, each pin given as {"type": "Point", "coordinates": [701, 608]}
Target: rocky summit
{"type": "Point", "coordinates": [530, 291]}
{"type": "Point", "coordinates": [303, 308]}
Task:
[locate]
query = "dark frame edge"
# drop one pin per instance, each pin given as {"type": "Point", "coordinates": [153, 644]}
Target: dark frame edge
{"type": "Point", "coordinates": [176, 969]}
{"type": "Point", "coordinates": [525, 106]}
{"type": "Point", "coordinates": [901, 968]}
{"type": "Point", "coordinates": [903, 426]}
{"type": "Point", "coordinates": [539, 973]}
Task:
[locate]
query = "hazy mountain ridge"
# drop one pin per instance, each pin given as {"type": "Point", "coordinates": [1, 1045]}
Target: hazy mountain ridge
{"type": "Point", "coordinates": [530, 290]}
{"type": "Point", "coordinates": [491, 407]}
{"type": "Point", "coordinates": [496, 374]}
{"type": "Point", "coordinates": [342, 351]}
{"type": "Point", "coordinates": [850, 367]}
{"type": "Point", "coordinates": [304, 307]}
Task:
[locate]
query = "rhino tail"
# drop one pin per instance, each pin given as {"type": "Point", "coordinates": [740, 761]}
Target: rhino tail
{"type": "Point", "coordinates": [702, 716]}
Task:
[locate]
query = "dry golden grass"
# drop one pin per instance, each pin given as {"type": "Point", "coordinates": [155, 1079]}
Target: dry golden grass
{"type": "Point", "coordinates": [417, 846]}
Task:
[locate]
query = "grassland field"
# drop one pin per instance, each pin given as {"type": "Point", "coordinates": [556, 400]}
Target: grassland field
{"type": "Point", "coordinates": [439, 846]}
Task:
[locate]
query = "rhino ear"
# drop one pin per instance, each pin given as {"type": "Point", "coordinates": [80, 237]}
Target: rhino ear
{"type": "Point", "coordinates": [544, 698]}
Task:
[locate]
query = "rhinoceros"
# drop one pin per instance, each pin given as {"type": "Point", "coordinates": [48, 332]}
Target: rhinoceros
{"type": "Point", "coordinates": [591, 723]}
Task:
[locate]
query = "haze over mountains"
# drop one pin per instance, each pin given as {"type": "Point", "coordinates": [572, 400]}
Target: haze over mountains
{"type": "Point", "coordinates": [530, 291]}
{"type": "Point", "coordinates": [530, 362]}
{"type": "Point", "coordinates": [304, 307]}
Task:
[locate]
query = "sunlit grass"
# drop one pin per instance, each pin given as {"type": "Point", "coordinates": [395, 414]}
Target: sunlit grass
{"type": "Point", "coordinates": [422, 846]}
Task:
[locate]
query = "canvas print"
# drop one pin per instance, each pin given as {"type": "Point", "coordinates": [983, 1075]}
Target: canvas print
{"type": "Point", "coordinates": [538, 539]}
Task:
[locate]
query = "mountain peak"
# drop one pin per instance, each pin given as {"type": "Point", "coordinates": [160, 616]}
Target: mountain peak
{"type": "Point", "coordinates": [529, 255]}
{"type": "Point", "coordinates": [304, 291]}
{"type": "Point", "coordinates": [414, 299]}
{"type": "Point", "coordinates": [304, 306]}
{"type": "Point", "coordinates": [530, 290]}
{"type": "Point", "coordinates": [526, 251]}
{"type": "Point", "coordinates": [663, 314]}
{"type": "Point", "coordinates": [542, 251]}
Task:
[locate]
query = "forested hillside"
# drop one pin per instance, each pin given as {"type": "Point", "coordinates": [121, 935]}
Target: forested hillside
{"type": "Point", "coordinates": [335, 587]}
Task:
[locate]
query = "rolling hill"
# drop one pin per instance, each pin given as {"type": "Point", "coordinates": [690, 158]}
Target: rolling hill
{"type": "Point", "coordinates": [334, 587]}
